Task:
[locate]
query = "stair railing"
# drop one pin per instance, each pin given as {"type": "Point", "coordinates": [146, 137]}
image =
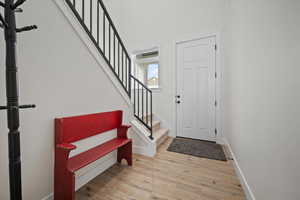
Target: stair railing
{"type": "Point", "coordinates": [142, 104]}
{"type": "Point", "coordinates": [97, 23]}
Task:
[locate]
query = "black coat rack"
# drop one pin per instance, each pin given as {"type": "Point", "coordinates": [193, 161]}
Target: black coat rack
{"type": "Point", "coordinates": [8, 23]}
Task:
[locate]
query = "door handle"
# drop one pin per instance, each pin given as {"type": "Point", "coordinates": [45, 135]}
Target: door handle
{"type": "Point", "coordinates": [178, 102]}
{"type": "Point", "coordinates": [177, 96]}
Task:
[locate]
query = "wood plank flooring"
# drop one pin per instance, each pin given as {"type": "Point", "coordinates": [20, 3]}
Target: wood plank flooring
{"type": "Point", "coordinates": [167, 176]}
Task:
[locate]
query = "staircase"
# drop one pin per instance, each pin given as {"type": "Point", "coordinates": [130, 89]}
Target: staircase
{"type": "Point", "coordinates": [98, 25]}
{"type": "Point", "coordinates": [144, 145]}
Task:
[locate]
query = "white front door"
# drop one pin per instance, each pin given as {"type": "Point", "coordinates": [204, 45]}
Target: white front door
{"type": "Point", "coordinates": [196, 89]}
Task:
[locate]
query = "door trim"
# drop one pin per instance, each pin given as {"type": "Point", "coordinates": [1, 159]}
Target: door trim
{"type": "Point", "coordinates": [219, 137]}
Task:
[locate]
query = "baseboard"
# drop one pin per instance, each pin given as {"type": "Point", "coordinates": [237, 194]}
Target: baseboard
{"type": "Point", "coordinates": [49, 197]}
{"type": "Point", "coordinates": [143, 151]}
{"type": "Point", "coordinates": [248, 192]}
{"type": "Point", "coordinates": [90, 173]}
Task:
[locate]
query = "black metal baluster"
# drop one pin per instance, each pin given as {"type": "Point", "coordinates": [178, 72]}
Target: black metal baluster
{"type": "Point", "coordinates": [147, 117]}
{"type": "Point", "coordinates": [126, 75]}
{"type": "Point", "coordinates": [143, 103]}
{"type": "Point", "coordinates": [118, 58]}
{"type": "Point", "coordinates": [151, 136]}
{"type": "Point", "coordinates": [98, 23]}
{"type": "Point", "coordinates": [104, 34]}
{"type": "Point", "coordinates": [83, 10]}
{"type": "Point", "coordinates": [114, 51]}
{"type": "Point", "coordinates": [134, 93]}
{"type": "Point", "coordinates": [91, 16]}
{"type": "Point", "coordinates": [134, 103]}
{"type": "Point", "coordinates": [138, 100]}
{"type": "Point", "coordinates": [129, 77]}
{"type": "Point", "coordinates": [122, 66]}
{"type": "Point", "coordinates": [109, 45]}
{"type": "Point", "coordinates": [74, 3]}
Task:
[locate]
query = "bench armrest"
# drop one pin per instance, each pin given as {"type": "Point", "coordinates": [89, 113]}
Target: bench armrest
{"type": "Point", "coordinates": [122, 131]}
{"type": "Point", "coordinates": [62, 152]}
{"type": "Point", "coordinates": [66, 147]}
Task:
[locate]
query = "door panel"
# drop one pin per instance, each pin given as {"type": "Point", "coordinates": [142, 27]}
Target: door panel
{"type": "Point", "coordinates": [196, 87]}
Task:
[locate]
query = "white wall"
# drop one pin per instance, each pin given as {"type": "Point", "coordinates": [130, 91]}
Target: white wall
{"type": "Point", "coordinates": [147, 24]}
{"type": "Point", "coordinates": [59, 75]}
{"type": "Point", "coordinates": [261, 95]}
{"type": "Point", "coordinates": [114, 8]}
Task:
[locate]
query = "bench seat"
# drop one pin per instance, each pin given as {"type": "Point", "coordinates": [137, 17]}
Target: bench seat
{"type": "Point", "coordinates": [83, 159]}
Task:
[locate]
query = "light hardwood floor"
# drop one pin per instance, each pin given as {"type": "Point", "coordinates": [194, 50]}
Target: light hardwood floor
{"type": "Point", "coordinates": [167, 176]}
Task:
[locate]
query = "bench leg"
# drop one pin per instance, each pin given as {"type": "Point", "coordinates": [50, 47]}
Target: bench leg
{"type": "Point", "coordinates": [64, 188]}
{"type": "Point", "coordinates": [126, 153]}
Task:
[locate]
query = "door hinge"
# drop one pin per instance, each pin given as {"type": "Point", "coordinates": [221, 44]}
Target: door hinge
{"type": "Point", "coordinates": [216, 131]}
{"type": "Point", "coordinates": [216, 47]}
{"type": "Point", "coordinates": [216, 103]}
{"type": "Point", "coordinates": [215, 74]}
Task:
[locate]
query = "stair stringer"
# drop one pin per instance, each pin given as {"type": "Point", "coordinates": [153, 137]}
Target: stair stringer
{"type": "Point", "coordinates": [142, 144]}
{"type": "Point", "coordinates": [79, 30]}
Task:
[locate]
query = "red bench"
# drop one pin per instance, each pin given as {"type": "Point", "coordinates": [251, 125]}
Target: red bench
{"type": "Point", "coordinates": [71, 129]}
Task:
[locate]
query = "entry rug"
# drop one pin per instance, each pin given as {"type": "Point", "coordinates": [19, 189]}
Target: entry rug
{"type": "Point", "coordinates": [198, 148]}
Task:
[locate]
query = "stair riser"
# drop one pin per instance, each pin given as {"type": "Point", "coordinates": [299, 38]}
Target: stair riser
{"type": "Point", "coordinates": [156, 127]}
{"type": "Point", "coordinates": [161, 140]}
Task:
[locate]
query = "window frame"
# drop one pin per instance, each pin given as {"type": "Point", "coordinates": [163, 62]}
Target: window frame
{"type": "Point", "coordinates": [147, 61]}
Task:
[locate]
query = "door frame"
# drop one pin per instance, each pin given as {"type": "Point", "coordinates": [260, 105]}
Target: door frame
{"type": "Point", "coordinates": [218, 116]}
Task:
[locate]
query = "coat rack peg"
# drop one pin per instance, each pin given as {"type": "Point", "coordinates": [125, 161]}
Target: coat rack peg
{"type": "Point", "coordinates": [26, 28]}
{"type": "Point", "coordinates": [18, 10]}
{"type": "Point", "coordinates": [20, 107]}
{"type": "Point", "coordinates": [2, 4]}
{"type": "Point", "coordinates": [18, 3]}
{"type": "Point", "coordinates": [3, 107]}
{"type": "Point", "coordinates": [27, 106]}
{"type": "Point", "coordinates": [3, 21]}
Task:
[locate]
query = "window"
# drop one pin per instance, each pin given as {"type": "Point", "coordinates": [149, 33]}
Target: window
{"type": "Point", "coordinates": [152, 75]}
{"type": "Point", "coordinates": [147, 68]}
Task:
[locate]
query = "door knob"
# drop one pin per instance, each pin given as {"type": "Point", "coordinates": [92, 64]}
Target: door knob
{"type": "Point", "coordinates": [178, 102]}
{"type": "Point", "coordinates": [178, 96]}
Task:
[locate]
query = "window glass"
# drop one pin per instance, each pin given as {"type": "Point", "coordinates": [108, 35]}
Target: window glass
{"type": "Point", "coordinates": [152, 75]}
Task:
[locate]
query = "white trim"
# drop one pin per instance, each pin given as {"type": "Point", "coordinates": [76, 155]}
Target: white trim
{"type": "Point", "coordinates": [218, 80]}
{"type": "Point", "coordinates": [48, 197]}
{"type": "Point", "coordinates": [142, 144]}
{"type": "Point", "coordinates": [144, 151]}
{"type": "Point", "coordinates": [248, 192]}
{"type": "Point", "coordinates": [67, 12]}
{"type": "Point", "coordinates": [155, 48]}
{"type": "Point", "coordinates": [147, 60]}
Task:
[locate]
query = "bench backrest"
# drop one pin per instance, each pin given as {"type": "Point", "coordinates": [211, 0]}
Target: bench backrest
{"type": "Point", "coordinates": [72, 129]}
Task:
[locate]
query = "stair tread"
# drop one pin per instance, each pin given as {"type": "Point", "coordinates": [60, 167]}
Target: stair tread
{"type": "Point", "coordinates": [147, 115]}
{"type": "Point", "coordinates": [160, 133]}
{"type": "Point", "coordinates": [156, 122]}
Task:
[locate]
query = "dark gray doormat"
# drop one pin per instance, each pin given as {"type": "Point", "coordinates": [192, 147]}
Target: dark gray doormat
{"type": "Point", "coordinates": [198, 148]}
